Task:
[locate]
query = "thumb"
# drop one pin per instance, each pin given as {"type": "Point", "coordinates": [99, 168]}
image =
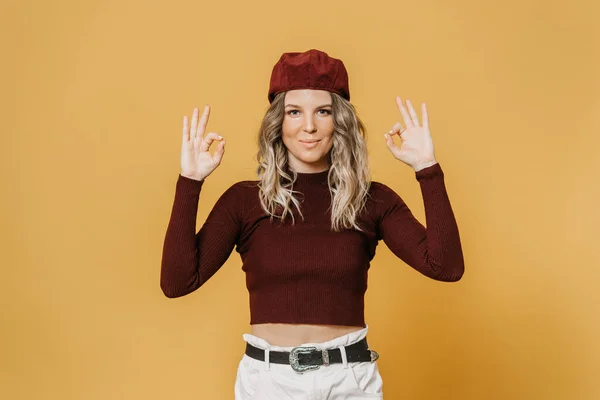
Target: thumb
{"type": "Point", "coordinates": [218, 156]}
{"type": "Point", "coordinates": [389, 141]}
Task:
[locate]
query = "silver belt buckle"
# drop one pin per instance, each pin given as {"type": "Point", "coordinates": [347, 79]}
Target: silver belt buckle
{"type": "Point", "coordinates": [374, 355]}
{"type": "Point", "coordinates": [295, 361]}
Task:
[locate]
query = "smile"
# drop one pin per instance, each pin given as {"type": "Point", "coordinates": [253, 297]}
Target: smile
{"type": "Point", "coordinates": [310, 145]}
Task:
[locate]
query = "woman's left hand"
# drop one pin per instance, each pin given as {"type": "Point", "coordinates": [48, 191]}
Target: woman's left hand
{"type": "Point", "coordinates": [416, 149]}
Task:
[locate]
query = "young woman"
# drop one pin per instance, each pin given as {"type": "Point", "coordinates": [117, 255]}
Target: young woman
{"type": "Point", "coordinates": [306, 232]}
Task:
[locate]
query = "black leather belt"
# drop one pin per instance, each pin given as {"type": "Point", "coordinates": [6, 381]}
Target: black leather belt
{"type": "Point", "coordinates": [305, 358]}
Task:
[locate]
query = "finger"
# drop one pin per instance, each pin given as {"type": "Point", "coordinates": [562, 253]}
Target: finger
{"type": "Point", "coordinates": [413, 113]}
{"type": "Point", "coordinates": [407, 121]}
{"type": "Point", "coordinates": [204, 120]}
{"type": "Point", "coordinates": [389, 141]}
{"type": "Point", "coordinates": [425, 116]}
{"type": "Point", "coordinates": [186, 130]}
{"type": "Point", "coordinates": [208, 139]}
{"type": "Point", "coordinates": [397, 128]}
{"type": "Point", "coordinates": [194, 123]}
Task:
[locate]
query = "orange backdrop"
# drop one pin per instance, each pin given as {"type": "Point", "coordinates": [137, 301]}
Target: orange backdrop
{"type": "Point", "coordinates": [92, 102]}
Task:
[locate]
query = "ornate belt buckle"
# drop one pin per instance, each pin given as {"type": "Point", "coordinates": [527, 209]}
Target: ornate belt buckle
{"type": "Point", "coordinates": [374, 355]}
{"type": "Point", "coordinates": [295, 361]}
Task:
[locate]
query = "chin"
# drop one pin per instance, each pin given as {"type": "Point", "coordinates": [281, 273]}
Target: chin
{"type": "Point", "coordinates": [309, 160]}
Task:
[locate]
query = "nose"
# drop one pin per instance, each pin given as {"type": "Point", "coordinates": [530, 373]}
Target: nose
{"type": "Point", "coordinates": [309, 124]}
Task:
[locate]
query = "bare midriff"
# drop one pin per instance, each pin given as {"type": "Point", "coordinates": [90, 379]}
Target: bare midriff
{"type": "Point", "coordinates": [296, 334]}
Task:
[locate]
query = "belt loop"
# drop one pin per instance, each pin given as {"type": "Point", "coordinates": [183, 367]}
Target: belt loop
{"type": "Point", "coordinates": [267, 360]}
{"type": "Point", "coordinates": [344, 358]}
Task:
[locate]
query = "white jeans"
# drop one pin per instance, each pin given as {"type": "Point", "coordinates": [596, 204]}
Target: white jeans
{"type": "Point", "coordinates": [263, 380]}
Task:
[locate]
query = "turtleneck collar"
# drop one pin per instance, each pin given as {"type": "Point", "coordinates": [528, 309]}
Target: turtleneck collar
{"type": "Point", "coordinates": [311, 177]}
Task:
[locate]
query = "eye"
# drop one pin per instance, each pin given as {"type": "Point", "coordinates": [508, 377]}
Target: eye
{"type": "Point", "coordinates": [327, 112]}
{"type": "Point", "coordinates": [292, 111]}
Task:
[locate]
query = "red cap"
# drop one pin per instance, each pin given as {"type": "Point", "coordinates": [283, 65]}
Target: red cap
{"type": "Point", "coordinates": [312, 69]}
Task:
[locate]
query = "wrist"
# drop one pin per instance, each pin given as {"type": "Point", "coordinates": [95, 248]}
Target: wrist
{"type": "Point", "coordinates": [195, 178]}
{"type": "Point", "coordinates": [421, 166]}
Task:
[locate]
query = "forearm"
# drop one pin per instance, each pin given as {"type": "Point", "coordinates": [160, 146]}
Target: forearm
{"type": "Point", "coordinates": [179, 266]}
{"type": "Point", "coordinates": [444, 258]}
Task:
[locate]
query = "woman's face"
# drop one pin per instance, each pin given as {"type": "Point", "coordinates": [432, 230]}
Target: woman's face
{"type": "Point", "coordinates": [308, 129]}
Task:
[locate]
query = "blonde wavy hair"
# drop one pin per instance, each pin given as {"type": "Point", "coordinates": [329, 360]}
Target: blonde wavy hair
{"type": "Point", "coordinates": [349, 175]}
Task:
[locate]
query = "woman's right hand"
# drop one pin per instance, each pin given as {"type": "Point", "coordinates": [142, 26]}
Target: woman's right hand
{"type": "Point", "coordinates": [196, 162]}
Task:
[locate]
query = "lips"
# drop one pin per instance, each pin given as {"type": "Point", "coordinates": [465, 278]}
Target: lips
{"type": "Point", "coordinates": [310, 144]}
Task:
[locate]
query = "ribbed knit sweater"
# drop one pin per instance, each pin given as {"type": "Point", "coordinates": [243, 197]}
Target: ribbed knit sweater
{"type": "Point", "coordinates": [306, 273]}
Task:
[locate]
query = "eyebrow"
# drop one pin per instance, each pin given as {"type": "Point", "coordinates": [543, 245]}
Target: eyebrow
{"type": "Point", "coordinates": [294, 105]}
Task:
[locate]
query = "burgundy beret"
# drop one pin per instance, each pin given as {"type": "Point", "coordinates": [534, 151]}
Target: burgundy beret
{"type": "Point", "coordinates": [312, 69]}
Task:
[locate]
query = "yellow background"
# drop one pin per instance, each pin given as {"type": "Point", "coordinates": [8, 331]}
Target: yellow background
{"type": "Point", "coordinates": [93, 95]}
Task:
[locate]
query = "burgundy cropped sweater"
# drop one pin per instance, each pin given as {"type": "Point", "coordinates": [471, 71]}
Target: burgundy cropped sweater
{"type": "Point", "coordinates": [306, 273]}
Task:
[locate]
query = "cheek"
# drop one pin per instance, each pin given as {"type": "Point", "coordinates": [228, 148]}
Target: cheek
{"type": "Point", "coordinates": [288, 133]}
{"type": "Point", "coordinates": [288, 128]}
{"type": "Point", "coordinates": [327, 126]}
{"type": "Point", "coordinates": [329, 145]}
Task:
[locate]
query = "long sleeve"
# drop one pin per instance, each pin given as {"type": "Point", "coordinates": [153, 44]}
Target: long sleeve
{"type": "Point", "coordinates": [434, 251]}
{"type": "Point", "coordinates": [189, 259]}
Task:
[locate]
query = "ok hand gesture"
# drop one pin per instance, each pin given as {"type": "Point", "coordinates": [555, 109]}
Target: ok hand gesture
{"type": "Point", "coordinates": [416, 149]}
{"type": "Point", "coordinates": [196, 162]}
